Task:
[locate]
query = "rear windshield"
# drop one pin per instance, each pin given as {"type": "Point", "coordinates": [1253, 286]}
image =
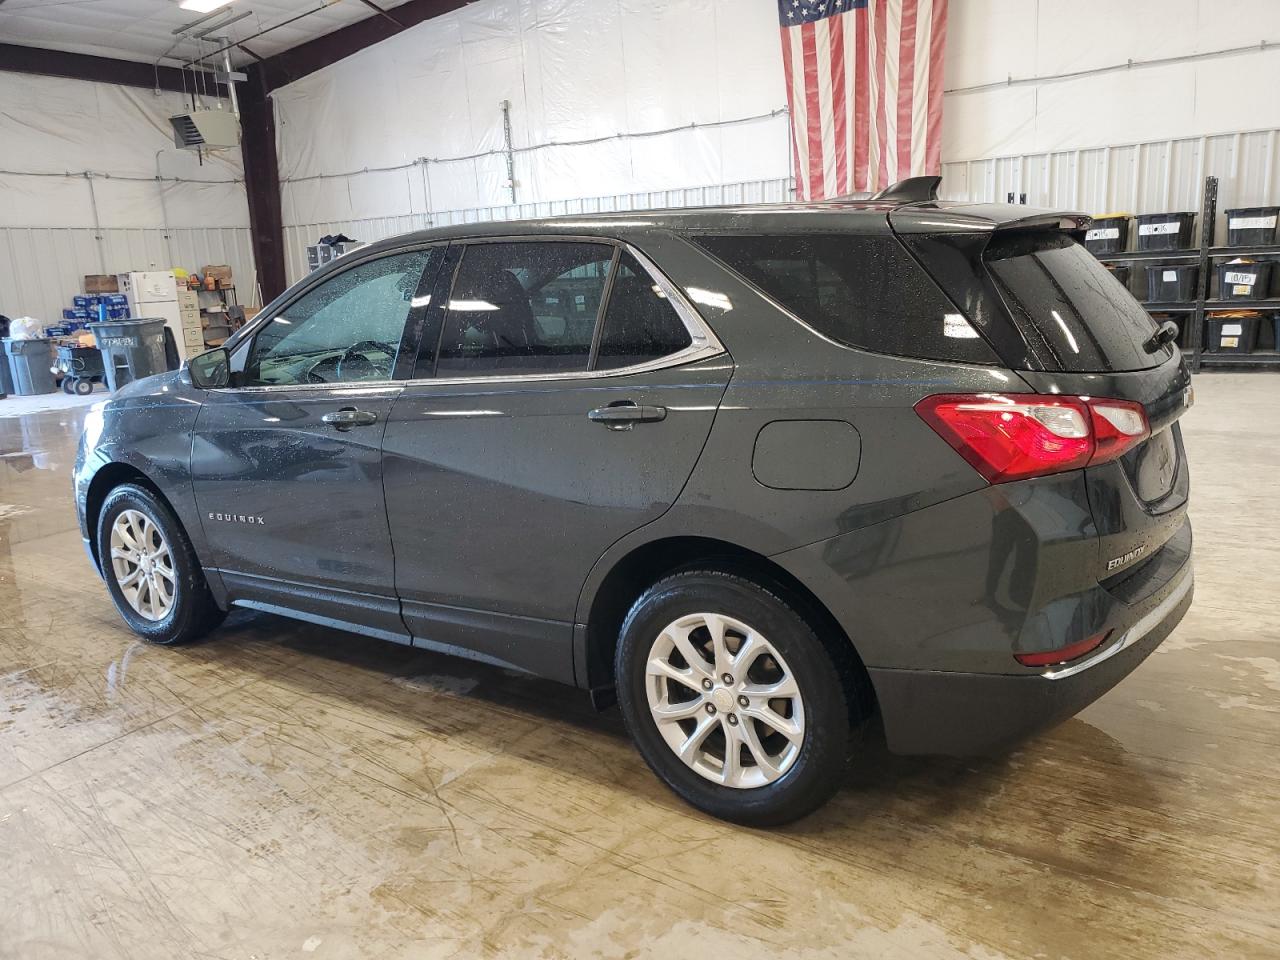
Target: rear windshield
{"type": "Point", "coordinates": [863, 291]}
{"type": "Point", "coordinates": [1084, 317]}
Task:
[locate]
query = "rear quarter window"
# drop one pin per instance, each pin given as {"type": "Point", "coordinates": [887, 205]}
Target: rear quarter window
{"type": "Point", "coordinates": [862, 291]}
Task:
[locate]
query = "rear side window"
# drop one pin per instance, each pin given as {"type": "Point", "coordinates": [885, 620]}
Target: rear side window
{"type": "Point", "coordinates": [863, 291]}
{"type": "Point", "coordinates": [1084, 317]}
{"type": "Point", "coordinates": [639, 324]}
{"type": "Point", "coordinates": [523, 308]}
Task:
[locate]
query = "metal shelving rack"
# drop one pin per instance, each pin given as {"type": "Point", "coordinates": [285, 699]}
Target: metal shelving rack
{"type": "Point", "coordinates": [1202, 305]}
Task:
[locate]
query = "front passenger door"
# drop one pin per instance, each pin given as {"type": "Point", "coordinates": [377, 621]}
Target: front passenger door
{"type": "Point", "coordinates": [287, 463]}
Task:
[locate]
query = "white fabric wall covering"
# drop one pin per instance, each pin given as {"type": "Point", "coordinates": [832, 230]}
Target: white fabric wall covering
{"type": "Point", "coordinates": [995, 41]}
{"type": "Point", "coordinates": [632, 76]}
{"type": "Point", "coordinates": [82, 160]}
{"type": "Point", "coordinates": [1134, 178]}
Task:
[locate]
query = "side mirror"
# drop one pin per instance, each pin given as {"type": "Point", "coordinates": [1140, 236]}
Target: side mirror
{"type": "Point", "coordinates": [211, 370]}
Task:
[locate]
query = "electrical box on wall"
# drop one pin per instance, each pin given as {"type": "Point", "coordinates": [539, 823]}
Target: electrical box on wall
{"type": "Point", "coordinates": [205, 129]}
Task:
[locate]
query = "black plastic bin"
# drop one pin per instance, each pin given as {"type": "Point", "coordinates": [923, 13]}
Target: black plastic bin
{"type": "Point", "coordinates": [1108, 234]}
{"type": "Point", "coordinates": [1247, 226]}
{"type": "Point", "coordinates": [1168, 283]}
{"type": "Point", "coordinates": [1165, 231]}
{"type": "Point", "coordinates": [1121, 273]}
{"type": "Point", "coordinates": [131, 349]}
{"type": "Point", "coordinates": [1231, 334]}
{"type": "Point", "coordinates": [1244, 281]}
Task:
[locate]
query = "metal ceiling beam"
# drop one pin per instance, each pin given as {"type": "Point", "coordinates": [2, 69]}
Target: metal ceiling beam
{"type": "Point", "coordinates": [80, 66]}
{"type": "Point", "coordinates": [306, 58]}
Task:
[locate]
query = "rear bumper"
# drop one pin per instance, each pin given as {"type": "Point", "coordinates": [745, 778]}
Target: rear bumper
{"type": "Point", "coordinates": [948, 712]}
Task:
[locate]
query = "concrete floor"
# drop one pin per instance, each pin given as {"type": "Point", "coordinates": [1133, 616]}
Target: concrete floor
{"type": "Point", "coordinates": [285, 790]}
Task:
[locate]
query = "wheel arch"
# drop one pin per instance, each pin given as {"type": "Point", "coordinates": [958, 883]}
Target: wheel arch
{"type": "Point", "coordinates": [108, 477]}
{"type": "Point", "coordinates": [648, 563]}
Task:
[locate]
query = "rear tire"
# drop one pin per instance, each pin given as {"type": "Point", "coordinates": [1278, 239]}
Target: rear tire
{"type": "Point", "coordinates": [151, 570]}
{"type": "Point", "coordinates": [774, 726]}
{"type": "Point", "coordinates": [68, 384]}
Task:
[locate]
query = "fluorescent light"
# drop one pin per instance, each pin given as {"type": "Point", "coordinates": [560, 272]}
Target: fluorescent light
{"type": "Point", "coordinates": [468, 305]}
{"type": "Point", "coordinates": [203, 6]}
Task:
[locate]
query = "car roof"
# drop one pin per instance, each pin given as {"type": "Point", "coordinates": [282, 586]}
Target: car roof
{"type": "Point", "coordinates": [851, 216]}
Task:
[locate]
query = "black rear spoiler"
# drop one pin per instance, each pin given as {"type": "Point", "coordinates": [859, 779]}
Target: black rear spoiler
{"type": "Point", "coordinates": [960, 217]}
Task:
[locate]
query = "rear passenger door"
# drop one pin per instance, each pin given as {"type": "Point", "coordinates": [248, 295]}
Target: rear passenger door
{"type": "Point", "coordinates": [566, 405]}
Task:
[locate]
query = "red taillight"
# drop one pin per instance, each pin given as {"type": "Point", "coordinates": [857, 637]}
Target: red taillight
{"type": "Point", "coordinates": [1012, 436]}
{"type": "Point", "coordinates": [1063, 654]}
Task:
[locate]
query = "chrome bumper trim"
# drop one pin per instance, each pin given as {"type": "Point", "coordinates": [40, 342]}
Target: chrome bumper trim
{"type": "Point", "coordinates": [1133, 634]}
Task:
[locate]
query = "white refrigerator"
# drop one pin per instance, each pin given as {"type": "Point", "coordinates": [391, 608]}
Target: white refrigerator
{"type": "Point", "coordinates": [153, 294]}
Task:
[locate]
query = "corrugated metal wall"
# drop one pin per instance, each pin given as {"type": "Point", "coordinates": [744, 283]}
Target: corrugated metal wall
{"type": "Point", "coordinates": [298, 237]}
{"type": "Point", "coordinates": [1158, 177]}
{"type": "Point", "coordinates": [41, 268]}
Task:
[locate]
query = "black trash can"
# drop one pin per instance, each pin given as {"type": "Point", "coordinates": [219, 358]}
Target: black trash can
{"type": "Point", "coordinates": [131, 349]}
{"type": "Point", "coordinates": [1232, 333]}
{"type": "Point", "coordinates": [1109, 234]}
{"type": "Point", "coordinates": [30, 365]}
{"type": "Point", "coordinates": [1165, 231]}
{"type": "Point", "coordinates": [1247, 226]}
{"type": "Point", "coordinates": [1168, 283]}
{"type": "Point", "coordinates": [1244, 280]}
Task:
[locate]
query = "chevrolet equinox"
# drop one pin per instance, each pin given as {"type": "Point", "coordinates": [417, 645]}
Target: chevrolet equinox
{"type": "Point", "coordinates": [757, 473]}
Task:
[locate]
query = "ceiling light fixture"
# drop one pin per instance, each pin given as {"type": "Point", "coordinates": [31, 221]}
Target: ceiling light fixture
{"type": "Point", "coordinates": [203, 6]}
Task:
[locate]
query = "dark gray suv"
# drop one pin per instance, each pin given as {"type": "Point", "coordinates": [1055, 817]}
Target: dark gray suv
{"type": "Point", "coordinates": [756, 472]}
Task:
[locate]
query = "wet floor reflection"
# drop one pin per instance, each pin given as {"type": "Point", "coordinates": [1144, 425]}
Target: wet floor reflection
{"type": "Point", "coordinates": [282, 789]}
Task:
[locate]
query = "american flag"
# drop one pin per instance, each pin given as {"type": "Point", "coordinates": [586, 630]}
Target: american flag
{"type": "Point", "coordinates": [864, 86]}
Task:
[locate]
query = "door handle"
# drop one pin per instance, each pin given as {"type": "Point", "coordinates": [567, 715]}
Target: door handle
{"type": "Point", "coordinates": [624, 414]}
{"type": "Point", "coordinates": [349, 417]}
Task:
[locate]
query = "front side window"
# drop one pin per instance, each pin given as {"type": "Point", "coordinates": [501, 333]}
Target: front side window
{"type": "Point", "coordinates": [523, 307]}
{"type": "Point", "coordinates": [346, 330]}
{"type": "Point", "coordinates": [640, 323]}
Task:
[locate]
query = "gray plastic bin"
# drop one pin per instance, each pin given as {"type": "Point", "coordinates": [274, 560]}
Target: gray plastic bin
{"type": "Point", "coordinates": [131, 349]}
{"type": "Point", "coordinates": [31, 366]}
{"type": "Point", "coordinates": [6, 377]}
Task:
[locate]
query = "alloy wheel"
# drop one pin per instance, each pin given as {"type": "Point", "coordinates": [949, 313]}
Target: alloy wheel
{"type": "Point", "coordinates": [142, 565]}
{"type": "Point", "coordinates": [724, 700]}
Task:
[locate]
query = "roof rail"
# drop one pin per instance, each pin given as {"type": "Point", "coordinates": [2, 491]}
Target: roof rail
{"type": "Point", "coordinates": [911, 190]}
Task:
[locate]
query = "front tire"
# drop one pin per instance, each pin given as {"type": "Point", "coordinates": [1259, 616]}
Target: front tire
{"type": "Point", "coordinates": [151, 570]}
{"type": "Point", "coordinates": [732, 699]}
